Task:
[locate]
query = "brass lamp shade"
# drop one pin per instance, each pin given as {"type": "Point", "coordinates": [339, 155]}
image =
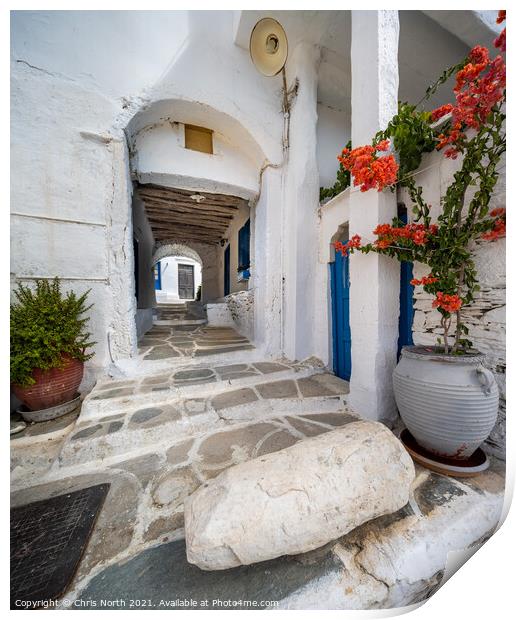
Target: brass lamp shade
{"type": "Point", "coordinates": [268, 46]}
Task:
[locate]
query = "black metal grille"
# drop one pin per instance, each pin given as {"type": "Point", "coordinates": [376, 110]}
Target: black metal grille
{"type": "Point", "coordinates": [48, 539]}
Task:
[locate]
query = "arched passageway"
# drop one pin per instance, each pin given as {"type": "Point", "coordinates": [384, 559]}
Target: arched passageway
{"type": "Point", "coordinates": [193, 185]}
{"type": "Point", "coordinates": [177, 273]}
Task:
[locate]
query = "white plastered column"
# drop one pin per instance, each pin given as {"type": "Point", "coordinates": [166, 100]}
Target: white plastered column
{"type": "Point", "coordinates": [374, 293]}
{"type": "Point", "coordinates": [300, 226]}
{"type": "Point", "coordinates": [266, 276]}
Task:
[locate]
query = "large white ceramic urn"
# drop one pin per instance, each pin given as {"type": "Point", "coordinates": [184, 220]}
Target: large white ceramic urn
{"type": "Point", "coordinates": [449, 403]}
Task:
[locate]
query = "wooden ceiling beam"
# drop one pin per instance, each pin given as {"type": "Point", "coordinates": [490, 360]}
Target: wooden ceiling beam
{"type": "Point", "coordinates": [172, 216]}
{"type": "Point", "coordinates": [152, 207]}
{"type": "Point", "coordinates": [180, 194]}
{"type": "Point", "coordinates": [180, 223]}
{"type": "Point", "coordinates": [166, 203]}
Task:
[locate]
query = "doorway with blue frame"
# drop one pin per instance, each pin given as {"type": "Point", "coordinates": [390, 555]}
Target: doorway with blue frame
{"type": "Point", "coordinates": [341, 330]}
{"type": "Point", "coordinates": [340, 293]}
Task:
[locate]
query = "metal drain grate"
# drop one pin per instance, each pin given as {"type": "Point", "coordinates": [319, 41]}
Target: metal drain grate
{"type": "Point", "coordinates": [48, 539]}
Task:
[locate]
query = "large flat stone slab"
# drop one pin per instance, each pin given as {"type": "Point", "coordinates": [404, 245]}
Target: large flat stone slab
{"type": "Point", "coordinates": [299, 498]}
{"type": "Point", "coordinates": [165, 576]}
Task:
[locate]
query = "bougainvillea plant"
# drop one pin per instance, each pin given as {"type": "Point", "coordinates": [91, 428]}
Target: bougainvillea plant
{"type": "Point", "coordinates": [471, 128]}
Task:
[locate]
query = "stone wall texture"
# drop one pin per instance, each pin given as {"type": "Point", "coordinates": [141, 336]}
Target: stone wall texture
{"type": "Point", "coordinates": [241, 307]}
{"type": "Point", "coordinates": [485, 317]}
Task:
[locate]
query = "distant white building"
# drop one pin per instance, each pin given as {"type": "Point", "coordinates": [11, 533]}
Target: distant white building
{"type": "Point", "coordinates": [176, 279]}
{"type": "Point", "coordinates": [159, 134]}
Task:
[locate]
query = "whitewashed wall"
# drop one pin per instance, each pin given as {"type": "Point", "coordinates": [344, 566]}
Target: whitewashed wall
{"type": "Point", "coordinates": [333, 132]}
{"type": "Point", "coordinates": [160, 155]}
{"type": "Point", "coordinates": [78, 78]}
{"type": "Point", "coordinates": [332, 226]}
{"type": "Point", "coordinates": [485, 317]}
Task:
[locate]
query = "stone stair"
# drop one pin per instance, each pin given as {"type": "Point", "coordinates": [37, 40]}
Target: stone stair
{"type": "Point", "coordinates": [182, 313]}
{"type": "Point", "coordinates": [156, 438]}
{"type": "Point", "coordinates": [119, 416]}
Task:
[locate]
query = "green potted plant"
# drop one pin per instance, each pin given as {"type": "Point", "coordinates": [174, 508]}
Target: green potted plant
{"type": "Point", "coordinates": [446, 397]}
{"type": "Point", "coordinates": [49, 344]}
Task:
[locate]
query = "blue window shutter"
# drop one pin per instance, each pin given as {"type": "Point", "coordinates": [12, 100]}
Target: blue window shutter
{"type": "Point", "coordinates": [244, 243]}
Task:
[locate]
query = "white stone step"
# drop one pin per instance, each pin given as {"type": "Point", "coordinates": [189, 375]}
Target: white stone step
{"type": "Point", "coordinates": [111, 397]}
{"type": "Point", "coordinates": [140, 367]}
{"type": "Point", "coordinates": [180, 322]}
{"type": "Point", "coordinates": [118, 435]}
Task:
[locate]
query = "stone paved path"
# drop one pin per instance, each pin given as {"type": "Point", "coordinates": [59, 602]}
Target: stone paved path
{"type": "Point", "coordinates": [392, 561]}
{"type": "Point", "coordinates": [156, 437]}
{"type": "Point", "coordinates": [121, 417]}
{"type": "Point", "coordinates": [190, 340]}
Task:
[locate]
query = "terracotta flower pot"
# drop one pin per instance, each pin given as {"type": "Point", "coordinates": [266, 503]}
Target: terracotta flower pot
{"type": "Point", "coordinates": [53, 387]}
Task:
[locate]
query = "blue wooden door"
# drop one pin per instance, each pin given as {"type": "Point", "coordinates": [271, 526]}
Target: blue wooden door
{"type": "Point", "coordinates": [339, 272]}
{"type": "Point", "coordinates": [227, 257]}
{"type": "Point", "coordinates": [406, 306]}
{"type": "Point", "coordinates": [406, 300]}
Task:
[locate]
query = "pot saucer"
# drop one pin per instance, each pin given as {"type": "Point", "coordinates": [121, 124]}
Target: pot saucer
{"type": "Point", "coordinates": [51, 413]}
{"type": "Point", "coordinates": [458, 468]}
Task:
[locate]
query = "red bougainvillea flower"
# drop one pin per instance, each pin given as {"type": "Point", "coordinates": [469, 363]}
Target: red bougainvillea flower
{"type": "Point", "coordinates": [497, 232]}
{"type": "Point", "coordinates": [442, 111]}
{"type": "Point", "coordinates": [498, 211]}
{"type": "Point", "coordinates": [429, 279]}
{"type": "Point", "coordinates": [343, 248]}
{"type": "Point", "coordinates": [391, 235]}
{"type": "Point", "coordinates": [383, 145]}
{"type": "Point", "coordinates": [419, 237]}
{"type": "Point", "coordinates": [479, 86]}
{"type": "Point", "coordinates": [448, 303]}
{"type": "Point", "coordinates": [500, 39]}
{"type": "Point", "coordinates": [368, 170]}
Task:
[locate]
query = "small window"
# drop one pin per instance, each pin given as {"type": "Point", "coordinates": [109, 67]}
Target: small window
{"type": "Point", "coordinates": [244, 246]}
{"type": "Point", "coordinates": [199, 139]}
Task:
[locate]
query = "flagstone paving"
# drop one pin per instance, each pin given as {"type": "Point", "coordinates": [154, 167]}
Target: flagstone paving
{"type": "Point", "coordinates": [370, 567]}
{"type": "Point", "coordinates": [190, 341]}
{"type": "Point", "coordinates": [157, 437]}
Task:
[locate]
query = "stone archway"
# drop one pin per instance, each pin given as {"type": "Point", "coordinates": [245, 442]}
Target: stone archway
{"type": "Point", "coordinates": [164, 250]}
{"type": "Point", "coordinates": [178, 270]}
{"type": "Point", "coordinates": [156, 168]}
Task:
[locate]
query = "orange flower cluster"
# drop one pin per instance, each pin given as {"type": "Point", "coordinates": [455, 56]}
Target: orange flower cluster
{"type": "Point", "coordinates": [442, 111]}
{"type": "Point", "coordinates": [500, 39]}
{"type": "Point", "coordinates": [499, 225]}
{"type": "Point", "coordinates": [368, 169]}
{"type": "Point", "coordinates": [497, 232]}
{"type": "Point", "coordinates": [388, 235]}
{"type": "Point", "coordinates": [479, 87]}
{"type": "Point", "coordinates": [343, 248]}
{"type": "Point", "coordinates": [498, 211]}
{"type": "Point", "coordinates": [449, 303]}
{"type": "Point", "coordinates": [429, 279]}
